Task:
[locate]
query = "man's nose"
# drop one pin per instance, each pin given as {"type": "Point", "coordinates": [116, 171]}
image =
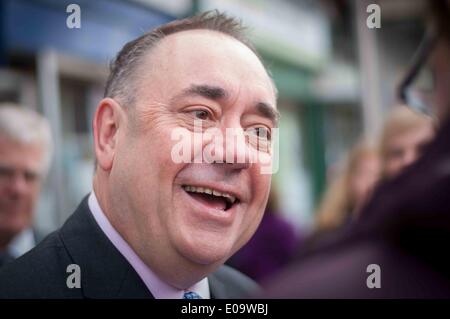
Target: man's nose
{"type": "Point", "coordinates": [18, 184]}
{"type": "Point", "coordinates": [237, 151]}
{"type": "Point", "coordinates": [233, 150]}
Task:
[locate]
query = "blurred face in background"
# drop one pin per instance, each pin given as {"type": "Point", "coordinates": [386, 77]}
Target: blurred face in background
{"type": "Point", "coordinates": [405, 135]}
{"type": "Point", "coordinates": [405, 148]}
{"type": "Point", "coordinates": [20, 183]}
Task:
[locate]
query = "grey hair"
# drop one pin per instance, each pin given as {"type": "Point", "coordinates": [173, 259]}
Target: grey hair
{"type": "Point", "coordinates": [124, 66]}
{"type": "Point", "coordinates": [27, 127]}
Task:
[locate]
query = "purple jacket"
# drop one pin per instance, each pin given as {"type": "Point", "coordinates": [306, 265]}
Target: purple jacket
{"type": "Point", "coordinates": [404, 229]}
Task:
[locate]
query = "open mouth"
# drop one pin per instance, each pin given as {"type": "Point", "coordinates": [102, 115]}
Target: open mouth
{"type": "Point", "coordinates": [211, 197]}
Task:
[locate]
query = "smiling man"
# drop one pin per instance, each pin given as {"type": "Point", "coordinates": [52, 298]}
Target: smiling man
{"type": "Point", "coordinates": [155, 227]}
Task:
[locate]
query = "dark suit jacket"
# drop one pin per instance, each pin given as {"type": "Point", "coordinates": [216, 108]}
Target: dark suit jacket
{"type": "Point", "coordinates": [105, 273]}
{"type": "Point", "coordinates": [405, 229]}
{"type": "Point", "coordinates": [6, 257]}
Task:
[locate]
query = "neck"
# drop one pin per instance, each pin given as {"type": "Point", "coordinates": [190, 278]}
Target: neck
{"type": "Point", "coordinates": [165, 261]}
{"type": "Point", "coordinates": [5, 239]}
{"type": "Point", "coordinates": [180, 272]}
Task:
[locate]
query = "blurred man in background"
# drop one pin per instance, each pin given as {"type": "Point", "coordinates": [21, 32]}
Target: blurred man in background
{"type": "Point", "coordinates": [25, 152]}
{"type": "Point", "coordinates": [398, 248]}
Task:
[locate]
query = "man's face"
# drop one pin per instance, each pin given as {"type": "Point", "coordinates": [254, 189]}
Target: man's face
{"type": "Point", "coordinates": [404, 148]}
{"type": "Point", "coordinates": [217, 81]}
{"type": "Point", "coordinates": [20, 168]}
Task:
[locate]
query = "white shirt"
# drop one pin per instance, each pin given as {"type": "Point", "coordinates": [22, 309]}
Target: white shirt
{"type": "Point", "coordinates": [158, 288]}
{"type": "Point", "coordinates": [21, 243]}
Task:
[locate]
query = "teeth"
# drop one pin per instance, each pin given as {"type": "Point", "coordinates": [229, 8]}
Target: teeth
{"type": "Point", "coordinates": [230, 198]}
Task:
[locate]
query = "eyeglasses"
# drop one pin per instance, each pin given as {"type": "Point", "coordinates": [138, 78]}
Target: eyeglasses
{"type": "Point", "coordinates": [417, 87]}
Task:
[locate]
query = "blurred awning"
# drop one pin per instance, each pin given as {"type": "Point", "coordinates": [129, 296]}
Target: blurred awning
{"type": "Point", "coordinates": [32, 25]}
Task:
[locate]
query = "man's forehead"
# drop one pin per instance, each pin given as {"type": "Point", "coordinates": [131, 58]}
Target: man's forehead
{"type": "Point", "coordinates": [192, 46]}
{"type": "Point", "coordinates": [9, 144]}
{"type": "Point", "coordinates": [204, 55]}
{"type": "Point", "coordinates": [201, 36]}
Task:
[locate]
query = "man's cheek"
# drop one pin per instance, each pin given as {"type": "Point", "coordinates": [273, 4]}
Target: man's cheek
{"type": "Point", "coordinates": [186, 146]}
{"type": "Point", "coordinates": [262, 181]}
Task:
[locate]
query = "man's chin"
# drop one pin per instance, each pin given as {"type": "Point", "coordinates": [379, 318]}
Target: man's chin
{"type": "Point", "coordinates": [206, 255]}
{"type": "Point", "coordinates": [10, 232]}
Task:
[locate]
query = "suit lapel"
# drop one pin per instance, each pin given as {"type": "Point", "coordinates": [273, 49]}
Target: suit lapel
{"type": "Point", "coordinates": [217, 287]}
{"type": "Point", "coordinates": [105, 273]}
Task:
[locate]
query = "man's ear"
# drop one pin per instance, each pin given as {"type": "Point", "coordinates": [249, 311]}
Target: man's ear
{"type": "Point", "coordinates": [107, 121]}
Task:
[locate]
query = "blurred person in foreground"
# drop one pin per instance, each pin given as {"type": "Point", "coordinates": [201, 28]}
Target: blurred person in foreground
{"type": "Point", "coordinates": [25, 152]}
{"type": "Point", "coordinates": [154, 226]}
{"type": "Point", "coordinates": [271, 248]}
{"type": "Point", "coordinates": [398, 247]}
{"type": "Point", "coordinates": [350, 188]}
{"type": "Point", "coordinates": [404, 137]}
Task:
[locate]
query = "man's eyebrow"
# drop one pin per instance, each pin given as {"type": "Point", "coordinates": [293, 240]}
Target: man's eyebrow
{"type": "Point", "coordinates": [269, 112]}
{"type": "Point", "coordinates": [218, 93]}
{"type": "Point", "coordinates": [207, 91]}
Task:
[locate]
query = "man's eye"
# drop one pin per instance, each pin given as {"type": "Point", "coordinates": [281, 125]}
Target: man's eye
{"type": "Point", "coordinates": [31, 176]}
{"type": "Point", "coordinates": [201, 114]}
{"type": "Point", "coordinates": [6, 172]}
{"type": "Point", "coordinates": [259, 138]}
{"type": "Point", "coordinates": [261, 132]}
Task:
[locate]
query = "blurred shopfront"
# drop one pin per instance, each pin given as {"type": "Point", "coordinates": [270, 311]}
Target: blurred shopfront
{"type": "Point", "coordinates": [61, 72]}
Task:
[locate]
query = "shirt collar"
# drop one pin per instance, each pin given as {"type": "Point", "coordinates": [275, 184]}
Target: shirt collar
{"type": "Point", "coordinates": [158, 288]}
{"type": "Point", "coordinates": [22, 243]}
